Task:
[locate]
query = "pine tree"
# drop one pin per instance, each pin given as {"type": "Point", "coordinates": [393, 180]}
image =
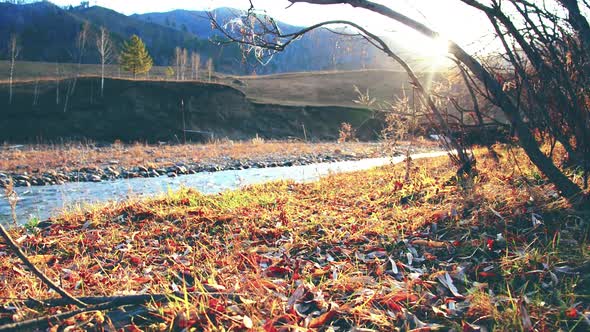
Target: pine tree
{"type": "Point", "coordinates": [135, 57]}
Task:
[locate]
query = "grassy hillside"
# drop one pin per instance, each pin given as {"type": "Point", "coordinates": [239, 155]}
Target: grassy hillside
{"type": "Point", "coordinates": [333, 88]}
{"type": "Point", "coordinates": [30, 71]}
{"type": "Point", "coordinates": [325, 88]}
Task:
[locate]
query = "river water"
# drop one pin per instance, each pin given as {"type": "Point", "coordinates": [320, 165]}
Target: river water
{"type": "Point", "coordinates": [44, 201]}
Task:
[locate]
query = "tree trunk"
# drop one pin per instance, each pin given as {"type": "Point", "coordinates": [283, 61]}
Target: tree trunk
{"type": "Point", "coordinates": [102, 79]}
{"type": "Point", "coordinates": [10, 80]}
{"type": "Point", "coordinates": [526, 139]}
{"type": "Point", "coordinates": [577, 20]}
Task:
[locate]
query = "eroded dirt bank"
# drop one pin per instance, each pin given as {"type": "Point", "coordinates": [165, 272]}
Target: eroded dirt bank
{"type": "Point", "coordinates": [152, 111]}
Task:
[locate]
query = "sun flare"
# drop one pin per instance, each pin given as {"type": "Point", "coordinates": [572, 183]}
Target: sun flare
{"type": "Point", "coordinates": [438, 47]}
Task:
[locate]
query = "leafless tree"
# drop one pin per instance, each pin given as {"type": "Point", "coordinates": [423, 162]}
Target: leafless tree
{"type": "Point", "coordinates": [183, 63]}
{"type": "Point", "coordinates": [81, 42]}
{"type": "Point", "coordinates": [104, 45]}
{"type": "Point", "coordinates": [195, 65]}
{"type": "Point", "coordinates": [547, 49]}
{"type": "Point", "coordinates": [177, 57]}
{"type": "Point", "coordinates": [209, 68]}
{"type": "Point", "coordinates": [14, 51]}
{"type": "Point", "coordinates": [57, 78]}
{"type": "Point", "coordinates": [265, 38]}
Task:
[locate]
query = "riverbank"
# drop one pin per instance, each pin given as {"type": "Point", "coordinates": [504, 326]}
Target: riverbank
{"type": "Point", "coordinates": [30, 165]}
{"type": "Point", "coordinates": [360, 251]}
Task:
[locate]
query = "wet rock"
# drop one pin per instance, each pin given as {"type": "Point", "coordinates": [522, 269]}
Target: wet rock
{"type": "Point", "coordinates": [94, 178]}
{"type": "Point", "coordinates": [181, 170]}
{"type": "Point", "coordinates": [22, 178]}
{"type": "Point", "coordinates": [171, 174]}
{"type": "Point", "coordinates": [22, 183]}
{"type": "Point", "coordinates": [109, 170]}
{"type": "Point", "coordinates": [142, 169]}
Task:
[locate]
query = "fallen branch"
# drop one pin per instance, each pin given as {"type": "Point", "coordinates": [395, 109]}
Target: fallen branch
{"type": "Point", "coordinates": [127, 299]}
{"type": "Point", "coordinates": [100, 304]}
{"type": "Point", "coordinates": [16, 249]}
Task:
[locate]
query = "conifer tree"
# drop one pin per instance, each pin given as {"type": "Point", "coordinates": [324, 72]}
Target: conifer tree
{"type": "Point", "coordinates": [135, 57]}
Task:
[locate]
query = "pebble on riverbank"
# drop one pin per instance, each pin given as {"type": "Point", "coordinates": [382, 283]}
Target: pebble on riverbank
{"type": "Point", "coordinates": [113, 172]}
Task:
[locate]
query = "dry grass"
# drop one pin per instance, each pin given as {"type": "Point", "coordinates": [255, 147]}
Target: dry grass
{"type": "Point", "coordinates": [75, 156]}
{"type": "Point", "coordinates": [352, 251]}
{"type": "Point", "coordinates": [333, 88]}
{"type": "Point", "coordinates": [324, 88]}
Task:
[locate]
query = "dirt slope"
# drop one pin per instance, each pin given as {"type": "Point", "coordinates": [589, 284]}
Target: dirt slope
{"type": "Point", "coordinates": [151, 111]}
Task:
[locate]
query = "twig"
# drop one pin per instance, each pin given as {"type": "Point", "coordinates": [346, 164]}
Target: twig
{"type": "Point", "coordinates": [127, 299]}
{"type": "Point", "coordinates": [64, 294]}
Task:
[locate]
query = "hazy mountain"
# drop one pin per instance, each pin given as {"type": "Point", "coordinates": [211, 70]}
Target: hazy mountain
{"type": "Point", "coordinates": [48, 33]}
{"type": "Point", "coordinates": [317, 50]}
{"type": "Point", "coordinates": [194, 22]}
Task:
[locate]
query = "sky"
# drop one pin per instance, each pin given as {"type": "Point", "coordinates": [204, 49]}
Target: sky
{"type": "Point", "coordinates": [454, 20]}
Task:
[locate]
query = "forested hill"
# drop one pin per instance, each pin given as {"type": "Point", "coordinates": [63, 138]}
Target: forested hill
{"type": "Point", "coordinates": [48, 33]}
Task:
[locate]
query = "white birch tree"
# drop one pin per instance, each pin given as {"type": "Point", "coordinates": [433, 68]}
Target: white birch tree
{"type": "Point", "coordinates": [104, 45]}
{"type": "Point", "coordinates": [210, 68]}
{"type": "Point", "coordinates": [14, 51]}
{"type": "Point", "coordinates": [183, 63]}
{"type": "Point", "coordinates": [195, 65]}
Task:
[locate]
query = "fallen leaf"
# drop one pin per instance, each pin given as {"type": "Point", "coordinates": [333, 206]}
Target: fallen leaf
{"type": "Point", "coordinates": [247, 321]}
{"type": "Point", "coordinates": [571, 313]}
{"type": "Point", "coordinates": [323, 319]}
{"type": "Point", "coordinates": [429, 243]}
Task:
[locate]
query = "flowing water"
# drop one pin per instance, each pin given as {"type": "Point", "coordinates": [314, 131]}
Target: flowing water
{"type": "Point", "coordinates": [44, 201]}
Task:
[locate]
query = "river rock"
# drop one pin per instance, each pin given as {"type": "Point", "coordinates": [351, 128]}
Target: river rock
{"type": "Point", "coordinates": [181, 170]}
{"type": "Point", "coordinates": [22, 178]}
{"type": "Point", "coordinates": [94, 178]}
{"type": "Point", "coordinates": [22, 183]}
{"type": "Point", "coordinates": [171, 174]}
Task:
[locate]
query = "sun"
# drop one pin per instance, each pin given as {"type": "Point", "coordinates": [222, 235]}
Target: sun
{"type": "Point", "coordinates": [417, 46]}
{"type": "Point", "coordinates": [437, 47]}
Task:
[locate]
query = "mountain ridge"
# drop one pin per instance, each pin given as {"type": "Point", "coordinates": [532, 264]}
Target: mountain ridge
{"type": "Point", "coordinates": [48, 32]}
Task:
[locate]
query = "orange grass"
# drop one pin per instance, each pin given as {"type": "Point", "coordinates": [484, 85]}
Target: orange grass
{"type": "Point", "coordinates": [48, 157]}
{"type": "Point", "coordinates": [324, 255]}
